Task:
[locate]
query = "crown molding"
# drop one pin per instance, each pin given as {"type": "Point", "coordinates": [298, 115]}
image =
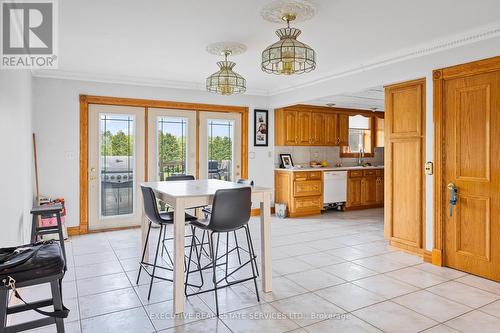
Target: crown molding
{"type": "Point", "coordinates": [129, 80]}
{"type": "Point", "coordinates": [437, 45]}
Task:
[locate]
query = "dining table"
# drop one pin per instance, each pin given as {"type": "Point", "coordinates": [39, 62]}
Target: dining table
{"type": "Point", "coordinates": [186, 194]}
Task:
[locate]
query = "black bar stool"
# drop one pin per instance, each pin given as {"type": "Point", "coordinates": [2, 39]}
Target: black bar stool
{"type": "Point", "coordinates": [230, 212]}
{"type": "Point", "coordinates": [208, 211]}
{"type": "Point", "coordinates": [161, 219]}
{"type": "Point", "coordinates": [36, 230]}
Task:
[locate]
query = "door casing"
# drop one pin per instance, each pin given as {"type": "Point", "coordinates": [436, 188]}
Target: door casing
{"type": "Point", "coordinates": [85, 100]}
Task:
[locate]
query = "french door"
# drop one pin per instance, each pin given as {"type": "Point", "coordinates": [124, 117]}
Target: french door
{"type": "Point", "coordinates": [171, 143]}
{"type": "Point", "coordinates": [206, 145]}
{"type": "Point", "coordinates": [220, 146]}
{"type": "Point", "coordinates": [116, 165]}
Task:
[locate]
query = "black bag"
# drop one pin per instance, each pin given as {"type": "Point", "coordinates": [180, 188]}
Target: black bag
{"type": "Point", "coordinates": [30, 262]}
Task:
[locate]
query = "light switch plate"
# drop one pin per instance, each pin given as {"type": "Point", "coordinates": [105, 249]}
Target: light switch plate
{"type": "Point", "coordinates": [429, 168]}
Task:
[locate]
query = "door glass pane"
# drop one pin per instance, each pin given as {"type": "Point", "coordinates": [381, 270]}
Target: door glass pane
{"type": "Point", "coordinates": [172, 146]}
{"type": "Point", "coordinates": [116, 165]}
{"type": "Point", "coordinates": [220, 149]}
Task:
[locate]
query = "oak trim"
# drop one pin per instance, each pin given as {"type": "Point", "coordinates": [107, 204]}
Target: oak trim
{"type": "Point", "coordinates": [439, 77]}
{"type": "Point", "coordinates": [84, 162]}
{"type": "Point", "coordinates": [85, 100]}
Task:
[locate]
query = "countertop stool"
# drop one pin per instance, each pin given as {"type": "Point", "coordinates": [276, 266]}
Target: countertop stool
{"type": "Point", "coordinates": [36, 230]}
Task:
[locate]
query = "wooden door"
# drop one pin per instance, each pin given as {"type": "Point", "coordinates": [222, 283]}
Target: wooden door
{"type": "Point", "coordinates": [369, 190]}
{"type": "Point", "coordinates": [343, 130]}
{"type": "Point", "coordinates": [318, 128]}
{"type": "Point", "coordinates": [404, 165]}
{"type": "Point", "coordinates": [472, 165]}
{"type": "Point", "coordinates": [379, 196]}
{"type": "Point", "coordinates": [353, 192]}
{"type": "Point", "coordinates": [331, 135]}
{"type": "Point", "coordinates": [291, 135]}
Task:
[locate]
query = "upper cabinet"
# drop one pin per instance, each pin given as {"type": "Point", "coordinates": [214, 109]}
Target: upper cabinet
{"type": "Point", "coordinates": [343, 130]}
{"type": "Point", "coordinates": [288, 126]}
{"type": "Point", "coordinates": [379, 132]}
{"type": "Point", "coordinates": [306, 125]}
{"type": "Point", "coordinates": [304, 128]}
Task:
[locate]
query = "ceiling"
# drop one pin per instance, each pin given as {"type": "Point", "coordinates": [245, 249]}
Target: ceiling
{"type": "Point", "coordinates": [163, 41]}
{"type": "Point", "coordinates": [366, 99]}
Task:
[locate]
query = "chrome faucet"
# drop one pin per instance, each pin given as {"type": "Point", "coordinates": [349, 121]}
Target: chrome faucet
{"type": "Point", "coordinates": [361, 156]}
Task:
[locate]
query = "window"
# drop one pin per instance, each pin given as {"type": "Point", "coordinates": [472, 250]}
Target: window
{"type": "Point", "coordinates": [360, 137]}
{"type": "Point", "coordinates": [220, 149]}
{"type": "Point", "coordinates": [172, 146]}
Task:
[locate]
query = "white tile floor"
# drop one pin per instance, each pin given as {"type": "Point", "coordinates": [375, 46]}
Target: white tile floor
{"type": "Point", "coordinates": [332, 273]}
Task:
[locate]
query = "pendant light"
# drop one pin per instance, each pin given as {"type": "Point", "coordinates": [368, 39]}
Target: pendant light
{"type": "Point", "coordinates": [288, 55]}
{"type": "Point", "coordinates": [225, 81]}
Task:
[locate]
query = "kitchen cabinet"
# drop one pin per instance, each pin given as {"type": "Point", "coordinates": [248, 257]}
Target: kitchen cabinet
{"type": "Point", "coordinates": [379, 132]}
{"type": "Point", "coordinates": [353, 192]}
{"type": "Point", "coordinates": [310, 125]}
{"type": "Point", "coordinates": [365, 188]}
{"type": "Point", "coordinates": [290, 128]}
{"type": "Point", "coordinates": [318, 128]}
{"type": "Point", "coordinates": [343, 133]}
{"type": "Point", "coordinates": [301, 191]}
{"type": "Point", "coordinates": [304, 128]}
{"type": "Point", "coordinates": [331, 136]}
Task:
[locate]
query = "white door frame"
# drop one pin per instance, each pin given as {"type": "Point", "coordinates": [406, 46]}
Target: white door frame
{"type": "Point", "coordinates": [96, 221]}
{"type": "Point", "coordinates": [203, 142]}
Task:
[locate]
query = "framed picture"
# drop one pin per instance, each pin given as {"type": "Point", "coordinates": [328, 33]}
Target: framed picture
{"type": "Point", "coordinates": [261, 127]}
{"type": "Point", "coordinates": [286, 160]}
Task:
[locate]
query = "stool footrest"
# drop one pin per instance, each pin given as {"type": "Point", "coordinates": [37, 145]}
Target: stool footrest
{"type": "Point", "coordinates": [23, 307]}
{"type": "Point", "coordinates": [30, 325]}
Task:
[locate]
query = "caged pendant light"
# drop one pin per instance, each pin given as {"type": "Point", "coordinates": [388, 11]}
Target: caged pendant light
{"type": "Point", "coordinates": [288, 55]}
{"type": "Point", "coordinates": [226, 81]}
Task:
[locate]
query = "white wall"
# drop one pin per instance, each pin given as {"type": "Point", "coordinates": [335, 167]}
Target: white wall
{"type": "Point", "coordinates": [56, 123]}
{"type": "Point", "coordinates": [16, 177]}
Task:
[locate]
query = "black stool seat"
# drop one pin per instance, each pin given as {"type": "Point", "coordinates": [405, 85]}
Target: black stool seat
{"type": "Point", "coordinates": [168, 217]}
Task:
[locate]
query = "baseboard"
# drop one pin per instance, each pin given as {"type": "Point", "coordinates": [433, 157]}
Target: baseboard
{"type": "Point", "coordinates": [364, 207]}
{"type": "Point", "coordinates": [428, 256]}
{"type": "Point", "coordinates": [74, 231]}
{"type": "Point", "coordinates": [437, 257]}
{"type": "Point", "coordinates": [407, 248]}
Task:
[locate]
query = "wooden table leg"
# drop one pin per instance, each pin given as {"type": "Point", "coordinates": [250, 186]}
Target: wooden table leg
{"type": "Point", "coordinates": [179, 231]}
{"type": "Point", "coordinates": [265, 235]}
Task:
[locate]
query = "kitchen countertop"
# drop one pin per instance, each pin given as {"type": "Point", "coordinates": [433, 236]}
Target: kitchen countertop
{"type": "Point", "coordinates": [343, 168]}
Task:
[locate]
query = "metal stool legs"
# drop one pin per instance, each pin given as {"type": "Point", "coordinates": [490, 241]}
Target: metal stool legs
{"type": "Point", "coordinates": [214, 263]}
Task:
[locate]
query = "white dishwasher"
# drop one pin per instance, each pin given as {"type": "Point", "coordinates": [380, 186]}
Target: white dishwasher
{"type": "Point", "coordinates": [334, 188]}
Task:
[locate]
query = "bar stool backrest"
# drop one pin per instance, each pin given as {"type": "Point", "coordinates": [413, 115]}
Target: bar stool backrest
{"type": "Point", "coordinates": [150, 205]}
{"type": "Point", "coordinates": [179, 177]}
{"type": "Point", "coordinates": [231, 209]}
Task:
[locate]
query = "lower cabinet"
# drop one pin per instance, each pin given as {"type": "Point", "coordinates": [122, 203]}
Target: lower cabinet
{"type": "Point", "coordinates": [365, 188]}
{"type": "Point", "coordinates": [301, 191]}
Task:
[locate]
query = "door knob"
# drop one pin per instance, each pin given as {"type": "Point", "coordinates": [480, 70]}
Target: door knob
{"type": "Point", "coordinates": [453, 196]}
